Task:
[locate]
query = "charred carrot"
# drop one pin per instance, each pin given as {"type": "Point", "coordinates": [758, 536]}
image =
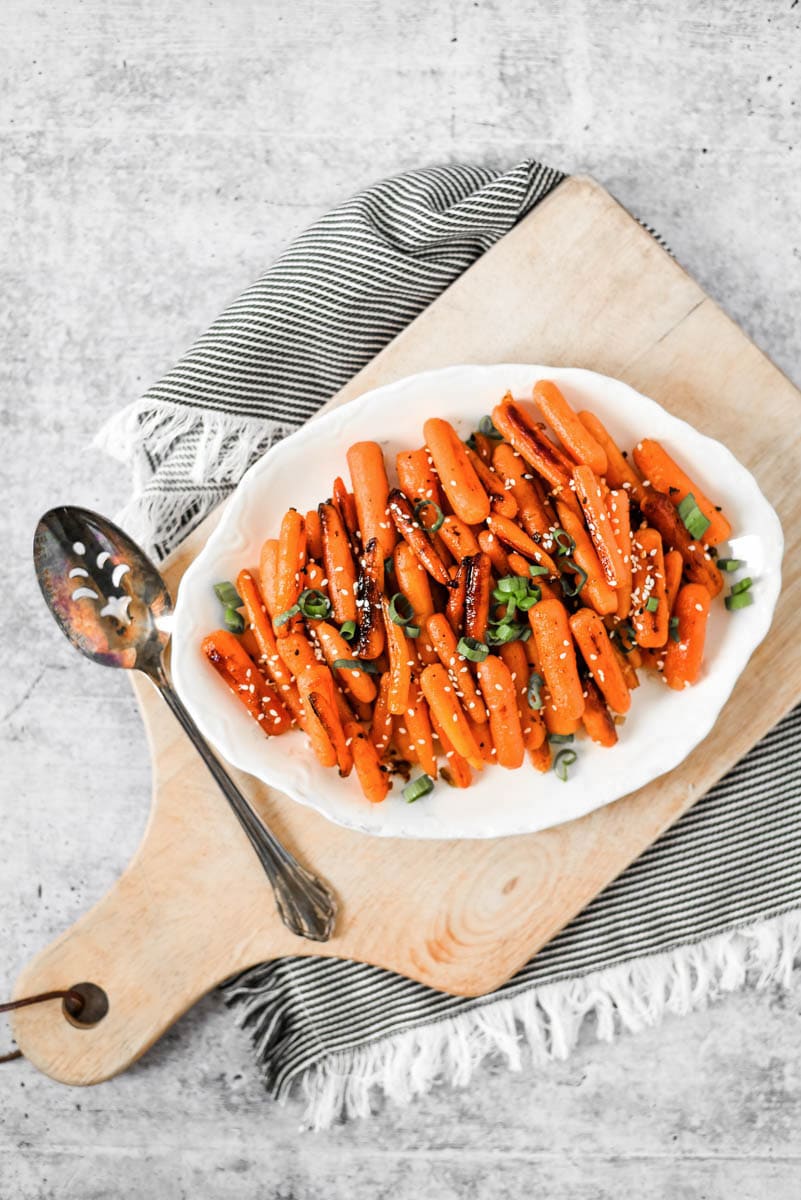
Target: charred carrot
{"type": "Point", "coordinates": [314, 535]}
{"type": "Point", "coordinates": [444, 641]}
{"type": "Point", "coordinates": [698, 565]}
{"type": "Point", "coordinates": [309, 680]}
{"type": "Point", "coordinates": [231, 661]}
{"type": "Point", "coordinates": [372, 778]}
{"type": "Point", "coordinates": [512, 535]}
{"type": "Point", "coordinates": [410, 529]}
{"type": "Point", "coordinates": [457, 770]}
{"type": "Point", "coordinates": [532, 512]}
{"type": "Point", "coordinates": [504, 718]}
{"type": "Point", "coordinates": [400, 663]}
{"type": "Point", "coordinates": [665, 475]}
{"type": "Point", "coordinates": [619, 473]}
{"type": "Point", "coordinates": [457, 476]}
{"type": "Point", "coordinates": [458, 537]}
{"type": "Point", "coordinates": [417, 476]}
{"type": "Point", "coordinates": [321, 697]}
{"type": "Point", "coordinates": [596, 718]}
{"type": "Point", "coordinates": [345, 505]}
{"type": "Point", "coordinates": [490, 545]}
{"type": "Point", "coordinates": [541, 757]}
{"type": "Point", "coordinates": [683, 658]}
{"type": "Point", "coordinates": [478, 583]}
{"type": "Point", "coordinates": [336, 649]}
{"type": "Point", "coordinates": [501, 498]}
{"type": "Point", "coordinates": [592, 500]}
{"type": "Point", "coordinates": [533, 445]}
{"type": "Point", "coordinates": [557, 656]}
{"type": "Point", "coordinates": [618, 506]}
{"type": "Point", "coordinates": [371, 492]}
{"type": "Point", "coordinates": [381, 724]}
{"type": "Point", "coordinates": [454, 607]}
{"type": "Point", "coordinates": [598, 653]}
{"type": "Point", "coordinates": [649, 610]}
{"type": "Point", "coordinates": [573, 435]}
{"type": "Point", "coordinates": [595, 591]}
{"type": "Point", "coordinates": [340, 568]}
{"type": "Point", "coordinates": [442, 700]}
{"type": "Point", "coordinates": [269, 658]}
{"type": "Point", "coordinates": [369, 590]}
{"type": "Point", "coordinates": [485, 446]}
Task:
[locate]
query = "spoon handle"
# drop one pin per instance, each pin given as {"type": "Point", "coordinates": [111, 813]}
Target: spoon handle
{"type": "Point", "coordinates": [305, 903]}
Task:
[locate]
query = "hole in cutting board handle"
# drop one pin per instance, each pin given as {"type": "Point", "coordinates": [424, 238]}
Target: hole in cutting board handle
{"type": "Point", "coordinates": [93, 1008]}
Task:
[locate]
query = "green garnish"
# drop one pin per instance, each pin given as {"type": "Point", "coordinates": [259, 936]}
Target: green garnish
{"type": "Point", "coordinates": [741, 600]}
{"type": "Point", "coordinates": [572, 587]}
{"type": "Point", "coordinates": [400, 609]}
{"type": "Point", "coordinates": [628, 629]}
{"type": "Point", "coordinates": [652, 604]}
{"type": "Point", "coordinates": [535, 569]}
{"type": "Point", "coordinates": [561, 739]}
{"type": "Point", "coordinates": [417, 788]}
{"type": "Point", "coordinates": [314, 604]}
{"type": "Point", "coordinates": [694, 520]}
{"type": "Point", "coordinates": [534, 597]}
{"type": "Point", "coordinates": [440, 517]}
{"type": "Point", "coordinates": [730, 564]}
{"type": "Point", "coordinates": [507, 631]}
{"type": "Point", "coordinates": [563, 760]}
{"type": "Point", "coordinates": [283, 617]}
{"type": "Point", "coordinates": [486, 427]}
{"type": "Point", "coordinates": [355, 664]}
{"type": "Point", "coordinates": [512, 583]}
{"type": "Point", "coordinates": [348, 630]}
{"type": "Point", "coordinates": [742, 585]}
{"type": "Point", "coordinates": [533, 692]}
{"type": "Point", "coordinates": [565, 544]}
{"type": "Point", "coordinates": [472, 649]}
{"type": "Point", "coordinates": [674, 629]}
{"type": "Point", "coordinates": [412, 631]}
{"type": "Point", "coordinates": [227, 595]}
{"type": "Point", "coordinates": [234, 621]}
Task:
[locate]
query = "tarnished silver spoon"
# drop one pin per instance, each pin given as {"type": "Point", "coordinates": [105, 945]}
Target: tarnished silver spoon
{"type": "Point", "coordinates": [112, 604]}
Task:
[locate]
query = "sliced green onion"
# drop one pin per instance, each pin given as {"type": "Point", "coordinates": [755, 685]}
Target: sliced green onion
{"type": "Point", "coordinates": [740, 600]}
{"type": "Point", "coordinates": [348, 630]}
{"type": "Point", "coordinates": [234, 621]}
{"type": "Point", "coordinates": [421, 786]}
{"type": "Point", "coordinates": [314, 604]}
{"type": "Point", "coordinates": [486, 427]}
{"type": "Point", "coordinates": [694, 520]}
{"type": "Point", "coordinates": [440, 517]}
{"type": "Point", "coordinates": [534, 597]}
{"type": "Point", "coordinates": [626, 628]}
{"type": "Point", "coordinates": [283, 617]}
{"type": "Point", "coordinates": [472, 649]}
{"type": "Point", "coordinates": [565, 544]}
{"type": "Point", "coordinates": [227, 595]}
{"type": "Point", "coordinates": [742, 585]}
{"type": "Point", "coordinates": [389, 565]}
{"type": "Point", "coordinates": [730, 564]}
{"type": "Point", "coordinates": [563, 760]}
{"type": "Point", "coordinates": [412, 631]}
{"type": "Point", "coordinates": [534, 692]}
{"type": "Point", "coordinates": [561, 739]}
{"type": "Point", "coordinates": [506, 632]}
{"type": "Point", "coordinates": [513, 583]}
{"type": "Point", "coordinates": [525, 635]}
{"type": "Point", "coordinates": [355, 664]}
{"type": "Point", "coordinates": [535, 570]}
{"type": "Point", "coordinates": [652, 604]}
{"type": "Point", "coordinates": [572, 587]}
{"type": "Point", "coordinates": [400, 609]}
{"type": "Point", "coordinates": [674, 629]}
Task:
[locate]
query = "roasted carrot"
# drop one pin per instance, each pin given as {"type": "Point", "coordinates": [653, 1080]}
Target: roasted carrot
{"type": "Point", "coordinates": [683, 658]}
{"type": "Point", "coordinates": [532, 512]}
{"type": "Point", "coordinates": [504, 718]}
{"type": "Point", "coordinates": [372, 778]}
{"type": "Point", "coordinates": [557, 656]}
{"type": "Point", "coordinates": [478, 583]}
{"type": "Point", "coordinates": [310, 679]}
{"type": "Point", "coordinates": [649, 610]}
{"type": "Point", "coordinates": [340, 568]}
{"type": "Point", "coordinates": [627, 666]}
{"type": "Point", "coordinates": [368, 475]}
{"type": "Point", "coordinates": [269, 658]}
{"type": "Point", "coordinates": [592, 639]}
{"type": "Point", "coordinates": [413, 582]}
{"type": "Point", "coordinates": [444, 641]}
{"type": "Point", "coordinates": [557, 722]}
{"type": "Point", "coordinates": [417, 476]}
{"type": "Point", "coordinates": [484, 446]}
{"type": "Point", "coordinates": [381, 724]}
{"type": "Point", "coordinates": [483, 739]}
{"type": "Point", "coordinates": [619, 473]}
{"type": "Point", "coordinates": [442, 700]}
{"type": "Point", "coordinates": [665, 475]}
{"type": "Point", "coordinates": [596, 517]}
{"type": "Point", "coordinates": [314, 577]}
{"type": "Point", "coordinates": [497, 555]}
{"type": "Point", "coordinates": [321, 697]}
{"type": "Point", "coordinates": [410, 529]}
{"type": "Point", "coordinates": [457, 770]}
{"type": "Point", "coordinates": [345, 505]}
{"type": "Point", "coordinates": [596, 718]}
{"type": "Point", "coordinates": [573, 435]}
{"type": "Point", "coordinates": [336, 649]}
{"type": "Point", "coordinates": [618, 506]}
{"type": "Point", "coordinates": [229, 658]}
{"type": "Point", "coordinates": [596, 591]}
{"type": "Point", "coordinates": [457, 476]}
{"type": "Point", "coordinates": [541, 757]}
{"type": "Point", "coordinates": [501, 498]}
{"type": "Point", "coordinates": [533, 445]}
{"type": "Point", "coordinates": [268, 570]}
{"type": "Point", "coordinates": [369, 590]}
{"type": "Point", "coordinates": [419, 727]}
{"type": "Point", "coordinates": [513, 655]}
{"type": "Point", "coordinates": [512, 535]}
{"type": "Point", "coordinates": [400, 663]}
{"type": "Point", "coordinates": [674, 566]}
{"type": "Point", "coordinates": [698, 564]}
{"type": "Point", "coordinates": [314, 535]}
{"type": "Point", "coordinates": [454, 607]}
{"type": "Point", "coordinates": [458, 537]}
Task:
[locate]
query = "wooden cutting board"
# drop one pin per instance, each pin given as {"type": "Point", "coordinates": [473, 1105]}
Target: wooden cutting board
{"type": "Point", "coordinates": [578, 283]}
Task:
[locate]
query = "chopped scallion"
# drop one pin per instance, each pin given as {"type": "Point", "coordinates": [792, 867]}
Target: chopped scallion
{"type": "Point", "coordinates": [652, 604]}
{"type": "Point", "coordinates": [472, 649]}
{"type": "Point", "coordinates": [674, 629]}
{"type": "Point", "coordinates": [227, 595]}
{"type": "Point", "coordinates": [572, 587]}
{"type": "Point", "coordinates": [561, 739]}
{"type": "Point", "coordinates": [535, 570]}
{"type": "Point", "coordinates": [486, 427]}
{"type": "Point", "coordinates": [742, 585]}
{"type": "Point", "coordinates": [534, 691]}
{"type": "Point", "coordinates": [741, 600]}
{"type": "Point", "coordinates": [565, 544]}
{"type": "Point", "coordinates": [283, 617]}
{"type": "Point", "coordinates": [419, 787]}
{"type": "Point", "coordinates": [355, 664]}
{"type": "Point", "coordinates": [439, 517]}
{"type": "Point", "coordinates": [564, 760]}
{"type": "Point", "coordinates": [730, 564]}
{"type": "Point", "coordinates": [234, 621]}
{"type": "Point", "coordinates": [400, 609]}
{"type": "Point", "coordinates": [694, 520]}
{"type": "Point", "coordinates": [314, 604]}
{"type": "Point", "coordinates": [348, 630]}
{"type": "Point", "coordinates": [513, 583]}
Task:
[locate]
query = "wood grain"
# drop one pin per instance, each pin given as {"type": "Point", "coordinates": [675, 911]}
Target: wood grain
{"type": "Point", "coordinates": [579, 282]}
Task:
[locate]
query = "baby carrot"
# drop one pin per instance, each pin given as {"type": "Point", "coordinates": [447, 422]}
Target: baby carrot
{"type": "Point", "coordinates": [373, 780]}
{"type": "Point", "coordinates": [533, 445]}
{"type": "Point", "coordinates": [457, 770]}
{"type": "Point", "coordinates": [513, 655]}
{"type": "Point", "coordinates": [501, 498]}
{"type": "Point", "coordinates": [532, 513]}
{"type": "Point", "coordinates": [309, 679]}
{"type": "Point", "coordinates": [649, 610]}
{"type": "Point", "coordinates": [269, 657]}
{"type": "Point", "coordinates": [443, 639]}
{"type": "Point", "coordinates": [556, 722]}
{"type": "Point", "coordinates": [410, 529]}
{"type": "Point", "coordinates": [335, 648]}
{"type": "Point", "coordinates": [458, 537]}
{"type": "Point", "coordinates": [484, 446]}
{"type": "Point", "coordinates": [683, 658]}
{"type": "Point", "coordinates": [497, 555]}
{"type": "Point", "coordinates": [598, 653]}
{"type": "Point", "coordinates": [381, 724]}
{"type": "Point", "coordinates": [674, 566]}
{"type": "Point", "coordinates": [346, 507]}
{"type": "Point", "coordinates": [454, 607]}
{"type": "Point", "coordinates": [371, 493]}
{"type": "Point", "coordinates": [400, 663]}
{"type": "Point", "coordinates": [478, 582]}
{"type": "Point", "coordinates": [413, 582]}
{"type": "Point", "coordinates": [268, 567]}
{"type": "Point", "coordinates": [573, 435]}
{"type": "Point", "coordinates": [369, 590]}
{"type": "Point", "coordinates": [483, 739]}
{"type": "Point", "coordinates": [442, 700]}
{"type": "Point", "coordinates": [314, 535]}
{"type": "Point", "coordinates": [512, 535]}
{"type": "Point", "coordinates": [665, 475]}
{"type": "Point", "coordinates": [597, 719]}
{"type": "Point", "coordinates": [504, 719]}
{"type": "Point", "coordinates": [232, 662]}
{"type": "Point", "coordinates": [541, 757]}
{"type": "Point", "coordinates": [596, 591]}
{"type": "Point", "coordinates": [557, 657]}
{"type": "Point", "coordinates": [419, 727]}
{"type": "Point", "coordinates": [417, 476]}
{"type": "Point", "coordinates": [321, 696]}
{"type": "Point", "coordinates": [591, 498]}
{"type": "Point", "coordinates": [291, 560]}
{"type": "Point", "coordinates": [698, 565]}
{"type": "Point", "coordinates": [340, 568]}
{"type": "Point", "coordinates": [619, 474]}
{"type": "Point", "coordinates": [457, 476]}
{"type": "Point", "coordinates": [618, 507]}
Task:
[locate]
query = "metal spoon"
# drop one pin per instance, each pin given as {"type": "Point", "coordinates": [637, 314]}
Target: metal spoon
{"type": "Point", "coordinates": [112, 604]}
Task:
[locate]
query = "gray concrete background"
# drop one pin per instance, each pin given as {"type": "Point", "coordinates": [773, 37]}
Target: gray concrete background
{"type": "Point", "coordinates": [155, 159]}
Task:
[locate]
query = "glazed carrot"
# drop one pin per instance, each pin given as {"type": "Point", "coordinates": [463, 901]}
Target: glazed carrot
{"type": "Point", "coordinates": [683, 658]}
{"type": "Point", "coordinates": [457, 771]}
{"type": "Point", "coordinates": [541, 757]}
{"type": "Point", "coordinates": [251, 646]}
{"type": "Point", "coordinates": [458, 537]}
{"type": "Point", "coordinates": [268, 569]}
{"type": "Point", "coordinates": [381, 724]}
{"type": "Point", "coordinates": [598, 653]}
{"type": "Point", "coordinates": [443, 701]}
{"type": "Point", "coordinates": [340, 568]}
{"type": "Point", "coordinates": [619, 473]}
{"type": "Point", "coordinates": [231, 661]}
{"type": "Point", "coordinates": [557, 657]}
{"type": "Point", "coordinates": [419, 726]}
{"type": "Point", "coordinates": [531, 721]}
{"type": "Point", "coordinates": [512, 535]}
{"type": "Point", "coordinates": [444, 641]}
{"type": "Point", "coordinates": [454, 607]}
{"type": "Point", "coordinates": [412, 531]}
{"type": "Point", "coordinates": [457, 476]}
{"type": "Point", "coordinates": [289, 566]}
{"type": "Point", "coordinates": [369, 590]}
{"type": "Point", "coordinates": [618, 506]}
{"type": "Point", "coordinates": [504, 719]}
{"type": "Point", "coordinates": [557, 723]}
{"type": "Point", "coordinates": [490, 545]}
{"type": "Point", "coordinates": [674, 566]}
{"type": "Point", "coordinates": [346, 507]}
{"type": "Point", "coordinates": [314, 577]}
{"type": "Point", "coordinates": [400, 663]}
{"type": "Point", "coordinates": [592, 500]}
{"type": "Point", "coordinates": [373, 780]}
{"type": "Point", "coordinates": [309, 679]}
{"type": "Point", "coordinates": [484, 446]}
{"type": "Point", "coordinates": [483, 739]}
{"type": "Point", "coordinates": [627, 666]}
{"type": "Point", "coordinates": [665, 475]}
{"type": "Point", "coordinates": [532, 513]}
{"type": "Point", "coordinates": [573, 435]}
{"type": "Point", "coordinates": [321, 698]}
{"type": "Point", "coordinates": [269, 658]}
{"type": "Point", "coordinates": [596, 718]}
{"type": "Point", "coordinates": [501, 498]}
{"type": "Point", "coordinates": [478, 583]}
{"type": "Point", "coordinates": [335, 648]}
{"type": "Point", "coordinates": [413, 582]}
{"type": "Point", "coordinates": [596, 591]}
{"type": "Point", "coordinates": [314, 535]}
{"type": "Point", "coordinates": [698, 565]}
{"type": "Point", "coordinates": [417, 476]}
{"type": "Point", "coordinates": [648, 587]}
{"type": "Point", "coordinates": [532, 444]}
{"type": "Point", "coordinates": [371, 493]}
{"type": "Point", "coordinates": [521, 566]}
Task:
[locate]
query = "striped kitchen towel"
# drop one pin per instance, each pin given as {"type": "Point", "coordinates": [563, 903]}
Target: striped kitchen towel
{"type": "Point", "coordinates": [713, 904]}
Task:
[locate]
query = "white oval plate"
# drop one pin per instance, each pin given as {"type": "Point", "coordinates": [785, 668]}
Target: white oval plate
{"type": "Point", "coordinates": [662, 727]}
